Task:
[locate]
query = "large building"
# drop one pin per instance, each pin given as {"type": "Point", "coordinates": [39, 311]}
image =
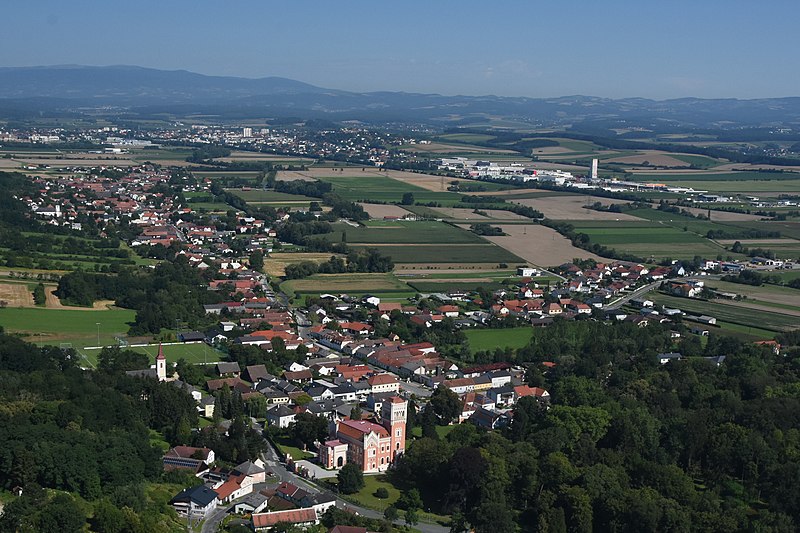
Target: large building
{"type": "Point", "coordinates": [372, 446]}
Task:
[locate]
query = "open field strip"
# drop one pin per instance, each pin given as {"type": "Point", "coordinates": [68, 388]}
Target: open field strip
{"type": "Point", "coordinates": [540, 245]}
{"type": "Point", "coordinates": [773, 320]}
{"type": "Point", "coordinates": [54, 326]}
{"type": "Point", "coordinates": [275, 264]}
{"type": "Point", "coordinates": [572, 208]}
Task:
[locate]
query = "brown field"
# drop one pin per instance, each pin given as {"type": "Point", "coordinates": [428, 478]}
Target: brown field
{"type": "Point", "coordinates": [571, 208]}
{"type": "Point", "coordinates": [9, 163]}
{"type": "Point", "coordinates": [384, 210]}
{"type": "Point", "coordinates": [654, 157]}
{"type": "Point", "coordinates": [301, 175]}
{"type": "Point", "coordinates": [540, 245]}
{"type": "Point", "coordinates": [16, 294]}
{"type": "Point", "coordinates": [463, 213]}
{"type": "Point", "coordinates": [275, 263]}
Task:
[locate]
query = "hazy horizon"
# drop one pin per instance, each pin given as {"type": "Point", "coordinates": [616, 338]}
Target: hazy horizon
{"type": "Point", "coordinates": [616, 49]}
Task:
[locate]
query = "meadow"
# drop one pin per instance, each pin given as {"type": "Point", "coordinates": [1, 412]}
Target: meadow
{"type": "Point", "coordinates": [489, 339]}
{"type": "Point", "coordinates": [735, 314]}
{"type": "Point", "coordinates": [381, 284]}
{"type": "Point", "coordinates": [261, 196]}
{"type": "Point", "coordinates": [372, 188]}
{"type": "Point", "coordinates": [77, 327]}
{"type": "Point", "coordinates": [403, 232]}
{"type": "Point", "coordinates": [448, 253]}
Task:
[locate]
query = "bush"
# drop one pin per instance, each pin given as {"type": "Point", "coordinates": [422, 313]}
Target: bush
{"type": "Point", "coordinates": [382, 493]}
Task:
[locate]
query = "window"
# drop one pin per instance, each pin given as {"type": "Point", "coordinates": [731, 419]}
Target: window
{"type": "Point", "coordinates": [399, 432]}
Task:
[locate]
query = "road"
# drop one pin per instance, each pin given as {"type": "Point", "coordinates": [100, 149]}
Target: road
{"type": "Point", "coordinates": [619, 302]}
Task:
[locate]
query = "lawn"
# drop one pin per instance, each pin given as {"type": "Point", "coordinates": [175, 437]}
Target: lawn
{"type": "Point", "coordinates": [286, 445]}
{"type": "Point", "coordinates": [489, 339]}
{"type": "Point", "coordinates": [261, 196]}
{"type": "Point", "coordinates": [78, 327]}
{"type": "Point", "coordinates": [441, 431]}
{"type": "Point", "coordinates": [446, 286]}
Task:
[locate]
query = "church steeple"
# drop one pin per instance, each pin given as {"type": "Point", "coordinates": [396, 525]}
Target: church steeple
{"type": "Point", "coordinates": [161, 364]}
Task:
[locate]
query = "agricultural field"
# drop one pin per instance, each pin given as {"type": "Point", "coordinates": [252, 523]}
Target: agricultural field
{"type": "Point", "coordinates": [77, 327]}
{"type": "Point", "coordinates": [384, 189]}
{"type": "Point", "coordinates": [467, 137]}
{"type": "Point", "coordinates": [380, 211]}
{"type": "Point", "coordinates": [489, 339]}
{"type": "Point", "coordinates": [383, 285]}
{"type": "Point", "coordinates": [572, 207]}
{"type": "Point", "coordinates": [275, 264]}
{"type": "Point", "coordinates": [455, 254]}
{"type": "Point", "coordinates": [384, 232]}
{"type": "Point", "coordinates": [765, 295]}
{"type": "Point", "coordinates": [654, 242]}
{"type": "Point", "coordinates": [733, 312]}
{"type": "Point", "coordinates": [260, 196]}
{"type": "Point", "coordinates": [540, 245]}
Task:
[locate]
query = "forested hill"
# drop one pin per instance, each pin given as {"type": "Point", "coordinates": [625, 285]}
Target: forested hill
{"type": "Point", "coordinates": [627, 444]}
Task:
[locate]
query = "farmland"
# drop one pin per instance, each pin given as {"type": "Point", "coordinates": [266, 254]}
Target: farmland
{"type": "Point", "coordinates": [382, 285]}
{"type": "Point", "coordinates": [540, 245]}
{"type": "Point", "coordinates": [259, 196]}
{"type": "Point", "coordinates": [403, 232]}
{"type": "Point", "coordinates": [451, 254]}
{"type": "Point", "coordinates": [735, 314]}
{"type": "Point", "coordinates": [384, 189]}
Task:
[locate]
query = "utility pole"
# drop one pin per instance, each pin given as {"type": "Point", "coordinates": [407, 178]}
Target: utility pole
{"type": "Point", "coordinates": [98, 333]}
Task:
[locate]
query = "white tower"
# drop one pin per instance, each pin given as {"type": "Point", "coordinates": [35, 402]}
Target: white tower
{"type": "Point", "coordinates": [594, 169]}
{"type": "Point", "coordinates": [161, 364]}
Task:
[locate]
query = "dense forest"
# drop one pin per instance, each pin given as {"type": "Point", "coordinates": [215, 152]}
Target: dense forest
{"type": "Point", "coordinates": [627, 444]}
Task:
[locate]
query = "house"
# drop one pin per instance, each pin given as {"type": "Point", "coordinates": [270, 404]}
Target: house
{"type": "Point", "coordinates": [383, 383]}
{"type": "Point", "coordinates": [296, 517]}
{"type": "Point", "coordinates": [256, 373]}
{"type": "Point", "coordinates": [228, 369]}
{"type": "Point", "coordinates": [280, 416]}
{"type": "Point", "coordinates": [188, 457]}
{"type": "Point", "coordinates": [196, 502]}
{"type": "Point", "coordinates": [665, 358]}
{"type": "Point", "coordinates": [255, 502]}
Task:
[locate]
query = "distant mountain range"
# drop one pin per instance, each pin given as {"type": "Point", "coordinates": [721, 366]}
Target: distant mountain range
{"type": "Point", "coordinates": [146, 92]}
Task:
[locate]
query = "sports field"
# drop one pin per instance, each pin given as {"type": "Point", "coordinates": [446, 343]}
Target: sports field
{"type": "Point", "coordinates": [196, 352]}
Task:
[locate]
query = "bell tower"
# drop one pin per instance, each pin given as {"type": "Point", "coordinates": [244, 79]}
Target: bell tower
{"type": "Point", "coordinates": [394, 413]}
{"type": "Point", "coordinates": [161, 364]}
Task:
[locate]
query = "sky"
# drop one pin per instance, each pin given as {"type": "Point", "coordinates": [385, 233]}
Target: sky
{"type": "Point", "coordinates": [537, 48]}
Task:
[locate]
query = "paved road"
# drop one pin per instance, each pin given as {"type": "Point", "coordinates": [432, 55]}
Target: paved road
{"type": "Point", "coordinates": [619, 302]}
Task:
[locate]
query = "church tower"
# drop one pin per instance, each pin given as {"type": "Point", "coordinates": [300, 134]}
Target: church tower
{"type": "Point", "coordinates": [161, 364]}
{"type": "Point", "coordinates": [394, 412]}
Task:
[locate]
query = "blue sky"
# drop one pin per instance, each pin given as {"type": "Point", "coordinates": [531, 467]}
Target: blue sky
{"type": "Point", "coordinates": [613, 48]}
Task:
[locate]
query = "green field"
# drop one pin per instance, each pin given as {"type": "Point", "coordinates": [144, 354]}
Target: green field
{"type": "Point", "coordinates": [384, 189]}
{"type": "Point", "coordinates": [466, 137]}
{"type": "Point", "coordinates": [403, 232]}
{"type": "Point", "coordinates": [699, 161]}
{"type": "Point", "coordinates": [382, 285]}
{"type": "Point", "coordinates": [456, 253]}
{"type": "Point", "coordinates": [743, 316]}
{"type": "Point", "coordinates": [489, 339]}
{"type": "Point", "coordinates": [655, 241]}
{"type": "Point", "coordinates": [77, 327]}
{"type": "Point", "coordinates": [193, 353]}
{"type": "Point", "coordinates": [446, 286]}
{"type": "Point", "coordinates": [262, 196]}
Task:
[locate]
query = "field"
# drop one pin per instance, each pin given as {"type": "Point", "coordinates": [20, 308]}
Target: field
{"type": "Point", "coordinates": [380, 232]}
{"type": "Point", "coordinates": [382, 285]}
{"type": "Point", "coordinates": [744, 315]}
{"type": "Point", "coordinates": [380, 211]}
{"type": "Point", "coordinates": [540, 245]}
{"type": "Point", "coordinates": [656, 241]}
{"type": "Point", "coordinates": [16, 294]}
{"type": "Point", "coordinates": [78, 327]}
{"type": "Point", "coordinates": [572, 208]}
{"type": "Point", "coordinates": [769, 295]}
{"type": "Point", "coordinates": [489, 339]}
{"type": "Point", "coordinates": [449, 254]}
{"type": "Point", "coordinates": [260, 196]}
{"type": "Point", "coordinates": [199, 352]}
{"type": "Point", "coordinates": [384, 189]}
{"type": "Point", "coordinates": [275, 263]}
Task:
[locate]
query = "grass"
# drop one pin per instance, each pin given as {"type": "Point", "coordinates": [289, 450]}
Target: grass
{"type": "Point", "coordinates": [286, 445]}
{"type": "Point", "coordinates": [193, 353]}
{"type": "Point", "coordinates": [658, 241]}
{"type": "Point", "coordinates": [441, 431]}
{"type": "Point", "coordinates": [489, 339]}
{"type": "Point", "coordinates": [78, 327]}
{"type": "Point", "coordinates": [467, 137]}
{"type": "Point", "coordinates": [445, 286]}
{"type": "Point", "coordinates": [699, 161]}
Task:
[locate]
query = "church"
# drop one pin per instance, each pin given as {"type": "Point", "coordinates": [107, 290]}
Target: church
{"type": "Point", "coordinates": [372, 446]}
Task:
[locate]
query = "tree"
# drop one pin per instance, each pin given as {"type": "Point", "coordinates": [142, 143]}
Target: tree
{"type": "Point", "coordinates": [445, 404]}
{"type": "Point", "coordinates": [351, 479]}
{"type": "Point", "coordinates": [412, 517]}
{"type": "Point", "coordinates": [257, 260]}
{"type": "Point", "coordinates": [408, 198]}
{"type": "Point", "coordinates": [308, 428]}
{"type": "Point", "coordinates": [390, 513]}
{"type": "Point", "coordinates": [355, 412]}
